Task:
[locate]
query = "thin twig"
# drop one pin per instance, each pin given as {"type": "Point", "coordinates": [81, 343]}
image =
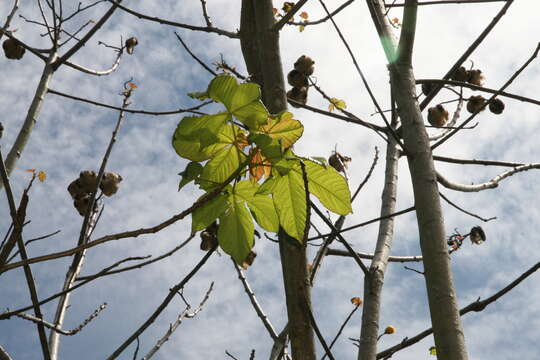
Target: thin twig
{"type": "Point", "coordinates": [206, 67]}
{"type": "Point", "coordinates": [324, 19]}
{"type": "Point", "coordinates": [341, 329]}
{"type": "Point", "coordinates": [465, 211]}
{"type": "Point", "coordinates": [288, 16]}
{"type": "Point", "coordinates": [362, 255]}
{"type": "Point", "coordinates": [161, 307]}
{"type": "Point", "coordinates": [264, 318]}
{"type": "Point", "coordinates": [474, 306]}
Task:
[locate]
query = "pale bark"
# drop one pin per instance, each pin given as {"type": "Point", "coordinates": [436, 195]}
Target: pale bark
{"type": "Point", "coordinates": [448, 332]}
{"type": "Point", "coordinates": [374, 281]}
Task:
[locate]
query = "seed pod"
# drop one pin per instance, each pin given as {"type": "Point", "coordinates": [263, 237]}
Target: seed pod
{"type": "Point", "coordinates": [496, 106]}
{"type": "Point", "coordinates": [304, 64]}
{"type": "Point", "coordinates": [461, 74]}
{"type": "Point", "coordinates": [109, 183]}
{"type": "Point", "coordinates": [81, 204]}
{"type": "Point", "coordinates": [477, 235]}
{"type": "Point", "coordinates": [75, 189]}
{"type": "Point", "coordinates": [437, 116]}
{"type": "Point", "coordinates": [426, 88]}
{"type": "Point", "coordinates": [250, 258]}
{"type": "Point", "coordinates": [87, 180]}
{"type": "Point", "coordinates": [208, 240]}
{"type": "Point", "coordinates": [297, 79]}
{"type": "Point", "coordinates": [13, 49]}
{"type": "Point", "coordinates": [336, 163]}
{"type": "Point", "coordinates": [476, 77]}
{"type": "Point", "coordinates": [298, 95]}
{"type": "Point", "coordinates": [130, 44]}
{"type": "Point", "coordinates": [475, 103]}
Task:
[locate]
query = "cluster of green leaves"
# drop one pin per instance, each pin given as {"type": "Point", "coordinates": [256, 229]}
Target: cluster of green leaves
{"type": "Point", "coordinates": [243, 141]}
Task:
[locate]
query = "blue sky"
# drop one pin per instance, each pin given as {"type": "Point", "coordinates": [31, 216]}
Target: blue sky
{"type": "Point", "coordinates": [70, 137]}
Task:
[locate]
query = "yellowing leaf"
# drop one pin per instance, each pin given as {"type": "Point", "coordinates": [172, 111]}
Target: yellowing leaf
{"type": "Point", "coordinates": [30, 170]}
{"type": "Point", "coordinates": [301, 28]}
{"type": "Point", "coordinates": [304, 15]}
{"type": "Point", "coordinates": [287, 6]}
{"type": "Point", "coordinates": [390, 329]}
{"type": "Point", "coordinates": [433, 350]}
{"type": "Point", "coordinates": [356, 301]}
{"type": "Point", "coordinates": [132, 85]}
{"type": "Point", "coordinates": [336, 104]}
{"type": "Point", "coordinates": [42, 176]}
{"type": "Point", "coordinates": [285, 129]}
{"type": "Point", "coordinates": [259, 167]}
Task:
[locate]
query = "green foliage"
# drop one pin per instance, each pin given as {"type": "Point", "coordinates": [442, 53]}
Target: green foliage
{"type": "Point", "coordinates": [244, 141]}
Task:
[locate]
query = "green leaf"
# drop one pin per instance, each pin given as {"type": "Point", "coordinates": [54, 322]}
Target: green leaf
{"type": "Point", "coordinates": [202, 217]}
{"type": "Point", "coordinates": [268, 186]}
{"type": "Point", "coordinates": [271, 148]}
{"type": "Point", "coordinates": [235, 233]}
{"type": "Point", "coordinates": [225, 162]}
{"type": "Point", "coordinates": [290, 201]}
{"type": "Point", "coordinates": [190, 173]}
{"type": "Point", "coordinates": [194, 134]}
{"type": "Point", "coordinates": [261, 206]}
{"type": "Point", "coordinates": [328, 186]}
{"type": "Point", "coordinates": [199, 95]}
{"type": "Point", "coordinates": [243, 101]}
{"type": "Point", "coordinates": [284, 128]}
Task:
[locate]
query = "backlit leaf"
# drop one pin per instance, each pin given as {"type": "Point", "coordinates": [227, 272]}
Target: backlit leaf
{"type": "Point", "coordinates": [205, 215]}
{"type": "Point", "coordinates": [235, 233]}
{"type": "Point", "coordinates": [284, 128]}
{"type": "Point", "coordinates": [190, 173]}
{"type": "Point", "coordinates": [42, 176]}
{"type": "Point", "coordinates": [261, 206]}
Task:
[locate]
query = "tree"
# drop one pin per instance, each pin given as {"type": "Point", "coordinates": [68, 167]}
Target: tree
{"type": "Point", "coordinates": [403, 134]}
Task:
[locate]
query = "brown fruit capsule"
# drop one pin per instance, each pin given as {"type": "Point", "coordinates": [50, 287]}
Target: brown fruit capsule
{"type": "Point", "coordinates": [87, 180]}
{"type": "Point", "coordinates": [298, 95]}
{"type": "Point", "coordinates": [336, 163]}
{"type": "Point", "coordinates": [304, 64]}
{"type": "Point", "coordinates": [250, 258]}
{"type": "Point", "coordinates": [81, 204]}
{"type": "Point", "coordinates": [461, 74]}
{"type": "Point", "coordinates": [477, 235]}
{"type": "Point", "coordinates": [297, 79]}
{"type": "Point", "coordinates": [426, 88]}
{"type": "Point", "coordinates": [130, 44]}
{"type": "Point", "coordinates": [437, 116]}
{"type": "Point", "coordinates": [208, 240]}
{"type": "Point", "coordinates": [496, 106]}
{"type": "Point", "coordinates": [13, 49]}
{"type": "Point", "coordinates": [109, 183]}
{"type": "Point", "coordinates": [475, 103]}
{"type": "Point", "coordinates": [75, 189]}
{"type": "Point", "coordinates": [476, 77]}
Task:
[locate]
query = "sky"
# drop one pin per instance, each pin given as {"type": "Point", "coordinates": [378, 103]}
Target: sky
{"type": "Point", "coordinates": [70, 136]}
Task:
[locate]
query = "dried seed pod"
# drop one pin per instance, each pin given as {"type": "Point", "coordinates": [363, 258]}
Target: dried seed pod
{"type": "Point", "coordinates": [81, 204]}
{"type": "Point", "coordinates": [437, 116]}
{"type": "Point", "coordinates": [339, 162]}
{"type": "Point", "coordinates": [13, 49]}
{"type": "Point", "coordinates": [297, 79]}
{"type": "Point", "coordinates": [109, 183]}
{"type": "Point", "coordinates": [208, 240]}
{"type": "Point", "coordinates": [75, 189]}
{"type": "Point", "coordinates": [130, 44]}
{"type": "Point", "coordinates": [250, 258]}
{"type": "Point", "coordinates": [475, 103]}
{"type": "Point", "coordinates": [298, 95]}
{"type": "Point", "coordinates": [87, 180]}
{"type": "Point", "coordinates": [496, 106]}
{"type": "Point", "coordinates": [426, 88]}
{"type": "Point", "coordinates": [477, 235]}
{"type": "Point", "coordinates": [461, 74]}
{"type": "Point", "coordinates": [304, 64]}
{"type": "Point", "coordinates": [476, 77]}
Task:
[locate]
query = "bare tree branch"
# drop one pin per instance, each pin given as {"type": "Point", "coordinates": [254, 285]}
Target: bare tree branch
{"type": "Point", "coordinates": [401, 259]}
{"type": "Point", "coordinates": [465, 211]}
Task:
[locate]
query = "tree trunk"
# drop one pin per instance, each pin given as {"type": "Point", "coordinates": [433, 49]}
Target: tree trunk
{"type": "Point", "coordinates": [448, 332]}
{"type": "Point", "coordinates": [374, 282]}
{"type": "Point", "coordinates": [263, 60]}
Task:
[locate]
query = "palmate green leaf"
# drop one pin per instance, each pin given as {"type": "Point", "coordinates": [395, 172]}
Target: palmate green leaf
{"type": "Point", "coordinates": [242, 101]}
{"type": "Point", "coordinates": [261, 206]}
{"type": "Point", "coordinates": [284, 128]}
{"type": "Point", "coordinates": [235, 233]}
{"type": "Point", "coordinates": [225, 162]}
{"type": "Point", "coordinates": [271, 148]}
{"type": "Point", "coordinates": [202, 217]}
{"type": "Point", "coordinates": [328, 186]}
{"type": "Point", "coordinates": [290, 201]}
{"type": "Point", "coordinates": [190, 173]}
{"type": "Point", "coordinates": [195, 136]}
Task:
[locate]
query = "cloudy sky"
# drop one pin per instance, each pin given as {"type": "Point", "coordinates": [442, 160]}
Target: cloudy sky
{"type": "Point", "coordinates": [70, 137]}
